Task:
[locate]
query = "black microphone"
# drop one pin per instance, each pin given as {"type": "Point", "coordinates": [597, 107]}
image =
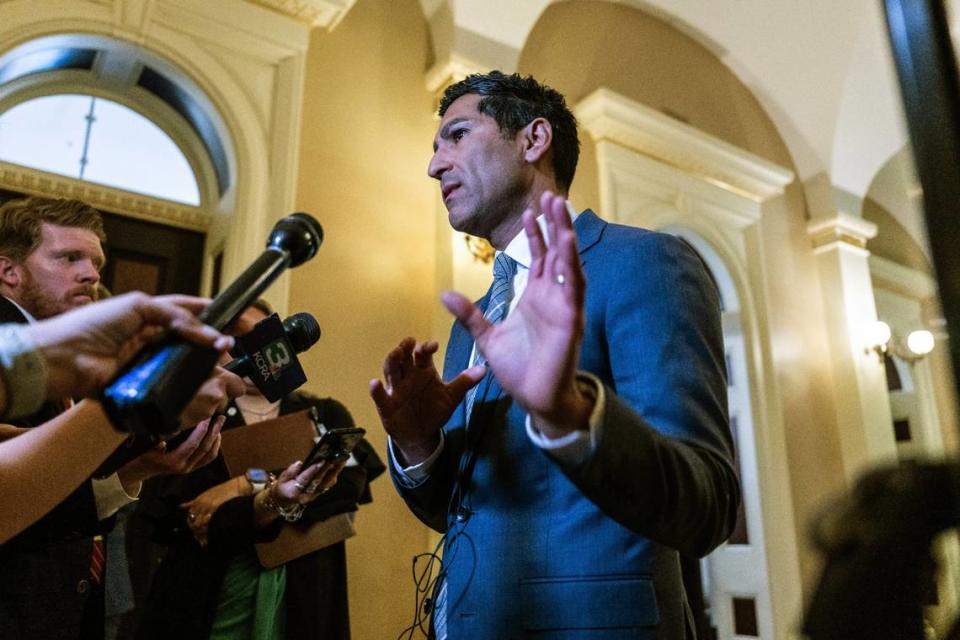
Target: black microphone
{"type": "Point", "coordinates": [301, 329]}
{"type": "Point", "coordinates": [148, 395]}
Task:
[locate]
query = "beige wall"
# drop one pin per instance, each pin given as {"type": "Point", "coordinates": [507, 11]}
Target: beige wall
{"type": "Point", "coordinates": [578, 46]}
{"type": "Point", "coordinates": [367, 130]}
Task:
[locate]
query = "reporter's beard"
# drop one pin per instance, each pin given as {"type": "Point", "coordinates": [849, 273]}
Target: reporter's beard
{"type": "Point", "coordinates": [41, 306]}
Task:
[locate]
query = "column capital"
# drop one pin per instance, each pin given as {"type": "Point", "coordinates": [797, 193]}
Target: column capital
{"type": "Point", "coordinates": [841, 231]}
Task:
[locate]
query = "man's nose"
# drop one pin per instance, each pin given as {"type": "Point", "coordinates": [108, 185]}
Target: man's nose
{"type": "Point", "coordinates": [89, 272]}
{"type": "Point", "coordinates": [438, 165]}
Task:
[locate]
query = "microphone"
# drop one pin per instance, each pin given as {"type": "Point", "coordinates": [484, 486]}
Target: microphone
{"type": "Point", "coordinates": [263, 353]}
{"type": "Point", "coordinates": [148, 395]}
{"type": "Point", "coordinates": [301, 331]}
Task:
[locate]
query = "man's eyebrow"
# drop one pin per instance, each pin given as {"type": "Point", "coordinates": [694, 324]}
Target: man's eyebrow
{"type": "Point", "coordinates": [445, 130]}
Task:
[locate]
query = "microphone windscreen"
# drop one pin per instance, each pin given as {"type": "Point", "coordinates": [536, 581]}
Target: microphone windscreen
{"type": "Point", "coordinates": [299, 234]}
{"type": "Point", "coordinates": [302, 330]}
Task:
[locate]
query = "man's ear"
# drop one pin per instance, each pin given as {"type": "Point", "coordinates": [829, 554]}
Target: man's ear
{"type": "Point", "coordinates": [11, 272]}
{"type": "Point", "coordinates": [537, 139]}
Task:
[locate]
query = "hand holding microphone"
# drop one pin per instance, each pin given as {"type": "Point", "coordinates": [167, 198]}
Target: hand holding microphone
{"type": "Point", "coordinates": [148, 396]}
{"type": "Point", "coordinates": [269, 343]}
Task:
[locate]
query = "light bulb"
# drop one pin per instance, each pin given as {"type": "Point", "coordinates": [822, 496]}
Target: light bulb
{"type": "Point", "coordinates": [920, 342]}
{"type": "Point", "coordinates": [878, 335]}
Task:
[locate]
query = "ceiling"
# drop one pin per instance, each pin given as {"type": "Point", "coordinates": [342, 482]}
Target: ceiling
{"type": "Point", "coordinates": [821, 69]}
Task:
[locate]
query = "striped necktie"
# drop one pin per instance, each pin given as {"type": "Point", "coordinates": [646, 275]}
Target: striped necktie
{"type": "Point", "coordinates": [98, 559]}
{"type": "Point", "coordinates": [501, 293]}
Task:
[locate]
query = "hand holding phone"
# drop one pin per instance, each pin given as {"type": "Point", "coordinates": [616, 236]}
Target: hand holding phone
{"type": "Point", "coordinates": [334, 445]}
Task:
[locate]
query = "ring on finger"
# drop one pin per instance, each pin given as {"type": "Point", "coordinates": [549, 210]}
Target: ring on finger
{"type": "Point", "coordinates": [300, 486]}
{"type": "Point", "coordinates": [191, 516]}
{"type": "Point", "coordinates": [560, 279]}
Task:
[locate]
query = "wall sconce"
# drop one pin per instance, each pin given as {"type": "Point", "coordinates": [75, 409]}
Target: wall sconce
{"type": "Point", "coordinates": [480, 249]}
{"type": "Point", "coordinates": [880, 339]}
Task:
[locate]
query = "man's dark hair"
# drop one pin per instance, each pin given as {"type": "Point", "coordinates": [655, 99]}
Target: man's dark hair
{"type": "Point", "coordinates": [513, 101]}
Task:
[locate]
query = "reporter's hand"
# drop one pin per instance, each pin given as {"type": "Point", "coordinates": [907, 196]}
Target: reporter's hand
{"type": "Point", "coordinates": [200, 510]}
{"type": "Point", "coordinates": [291, 488]}
{"type": "Point", "coordinates": [212, 396]}
{"type": "Point", "coordinates": [198, 450]}
{"type": "Point", "coordinates": [302, 486]}
{"type": "Point", "coordinates": [85, 347]}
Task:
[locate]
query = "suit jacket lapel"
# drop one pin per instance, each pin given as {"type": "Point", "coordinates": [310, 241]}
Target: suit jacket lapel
{"type": "Point", "coordinates": [10, 313]}
{"type": "Point", "coordinates": [457, 357]}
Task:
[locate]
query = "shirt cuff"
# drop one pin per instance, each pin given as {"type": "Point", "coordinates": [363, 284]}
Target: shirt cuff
{"type": "Point", "coordinates": [23, 371]}
{"type": "Point", "coordinates": [576, 447]}
{"type": "Point", "coordinates": [414, 475]}
{"type": "Point", "coordinates": [111, 496]}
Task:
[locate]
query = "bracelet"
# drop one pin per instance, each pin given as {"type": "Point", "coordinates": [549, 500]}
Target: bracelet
{"type": "Point", "coordinates": [290, 514]}
{"type": "Point", "coordinates": [23, 369]}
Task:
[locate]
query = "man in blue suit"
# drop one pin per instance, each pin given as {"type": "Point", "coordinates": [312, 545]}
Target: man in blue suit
{"type": "Point", "coordinates": [578, 439]}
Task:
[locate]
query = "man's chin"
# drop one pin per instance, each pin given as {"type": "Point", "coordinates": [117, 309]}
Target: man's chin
{"type": "Point", "coordinates": [464, 222]}
{"type": "Point", "coordinates": [75, 302]}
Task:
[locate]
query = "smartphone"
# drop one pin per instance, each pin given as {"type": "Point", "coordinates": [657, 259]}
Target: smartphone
{"type": "Point", "coordinates": [334, 445]}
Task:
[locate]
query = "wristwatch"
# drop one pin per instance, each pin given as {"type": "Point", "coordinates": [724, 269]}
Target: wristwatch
{"type": "Point", "coordinates": [258, 479]}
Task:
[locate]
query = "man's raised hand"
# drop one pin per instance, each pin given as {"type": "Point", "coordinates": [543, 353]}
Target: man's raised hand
{"type": "Point", "coordinates": [413, 402]}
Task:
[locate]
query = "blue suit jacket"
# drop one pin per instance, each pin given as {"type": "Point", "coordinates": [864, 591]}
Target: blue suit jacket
{"type": "Point", "coordinates": [591, 552]}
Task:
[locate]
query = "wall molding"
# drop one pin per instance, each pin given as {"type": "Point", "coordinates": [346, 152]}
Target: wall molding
{"type": "Point", "coordinates": [41, 183]}
{"type": "Point", "coordinates": [316, 13]}
{"type": "Point", "coordinates": [607, 115]}
{"type": "Point", "coordinates": [911, 283]}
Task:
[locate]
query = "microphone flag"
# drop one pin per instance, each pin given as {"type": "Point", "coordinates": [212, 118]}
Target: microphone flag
{"type": "Point", "coordinates": [274, 366]}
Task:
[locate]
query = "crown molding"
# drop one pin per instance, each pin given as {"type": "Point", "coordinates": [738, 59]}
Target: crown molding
{"type": "Point", "coordinates": [609, 116]}
{"type": "Point", "coordinates": [904, 280]}
{"type": "Point", "coordinates": [40, 183]}
{"type": "Point", "coordinates": [317, 13]}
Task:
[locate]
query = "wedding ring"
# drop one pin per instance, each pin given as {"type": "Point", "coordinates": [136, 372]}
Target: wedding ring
{"type": "Point", "coordinates": [560, 280]}
{"type": "Point", "coordinates": [299, 486]}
